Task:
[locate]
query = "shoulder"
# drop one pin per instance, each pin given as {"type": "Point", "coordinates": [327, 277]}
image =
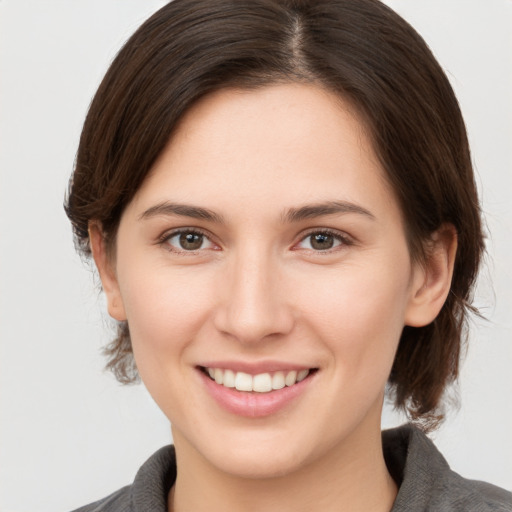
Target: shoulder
{"type": "Point", "coordinates": [118, 501]}
{"type": "Point", "coordinates": [148, 491]}
{"type": "Point", "coordinates": [428, 484]}
{"type": "Point", "coordinates": [494, 497]}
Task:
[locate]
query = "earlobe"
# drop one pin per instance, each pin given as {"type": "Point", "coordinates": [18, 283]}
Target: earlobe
{"type": "Point", "coordinates": [106, 271]}
{"type": "Point", "coordinates": [432, 280]}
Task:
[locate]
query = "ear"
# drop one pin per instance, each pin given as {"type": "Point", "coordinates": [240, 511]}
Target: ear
{"type": "Point", "coordinates": [107, 272]}
{"type": "Point", "coordinates": [432, 279]}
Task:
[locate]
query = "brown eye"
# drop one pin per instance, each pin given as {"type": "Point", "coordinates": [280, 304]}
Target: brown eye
{"type": "Point", "coordinates": [189, 241]}
{"type": "Point", "coordinates": [322, 241]}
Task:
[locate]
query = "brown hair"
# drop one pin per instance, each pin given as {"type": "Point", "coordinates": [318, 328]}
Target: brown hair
{"type": "Point", "coordinates": [360, 49]}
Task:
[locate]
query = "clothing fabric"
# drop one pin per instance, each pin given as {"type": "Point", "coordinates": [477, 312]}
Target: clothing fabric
{"type": "Point", "coordinates": [426, 483]}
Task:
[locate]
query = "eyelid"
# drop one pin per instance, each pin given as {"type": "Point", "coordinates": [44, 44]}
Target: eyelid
{"type": "Point", "coordinates": [341, 236]}
{"type": "Point", "coordinates": [164, 238]}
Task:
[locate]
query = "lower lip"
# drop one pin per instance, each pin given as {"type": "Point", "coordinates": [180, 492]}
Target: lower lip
{"type": "Point", "coordinates": [253, 404]}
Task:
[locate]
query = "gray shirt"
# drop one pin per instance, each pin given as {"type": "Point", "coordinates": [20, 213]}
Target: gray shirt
{"type": "Point", "coordinates": [426, 483]}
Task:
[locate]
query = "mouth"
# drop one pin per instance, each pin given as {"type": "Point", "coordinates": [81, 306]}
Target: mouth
{"type": "Point", "coordinates": [256, 393]}
{"type": "Point", "coordinates": [259, 383]}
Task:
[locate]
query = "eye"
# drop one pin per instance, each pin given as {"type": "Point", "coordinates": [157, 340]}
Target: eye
{"type": "Point", "coordinates": [322, 241]}
{"type": "Point", "coordinates": [188, 241]}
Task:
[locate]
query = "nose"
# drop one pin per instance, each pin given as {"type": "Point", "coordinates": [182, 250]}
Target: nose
{"type": "Point", "coordinates": [253, 305]}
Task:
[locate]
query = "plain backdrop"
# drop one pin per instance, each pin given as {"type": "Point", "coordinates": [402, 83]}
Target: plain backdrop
{"type": "Point", "coordinates": [69, 433]}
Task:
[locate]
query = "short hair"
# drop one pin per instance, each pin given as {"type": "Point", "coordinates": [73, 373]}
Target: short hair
{"type": "Point", "coordinates": [359, 49]}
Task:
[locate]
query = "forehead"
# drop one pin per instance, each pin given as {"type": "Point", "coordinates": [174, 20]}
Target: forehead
{"type": "Point", "coordinates": [280, 145]}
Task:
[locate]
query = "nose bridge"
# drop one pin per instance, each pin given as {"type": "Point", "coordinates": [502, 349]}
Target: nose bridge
{"type": "Point", "coordinates": [254, 306]}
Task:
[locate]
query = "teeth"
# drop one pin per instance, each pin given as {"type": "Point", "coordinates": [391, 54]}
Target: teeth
{"type": "Point", "coordinates": [278, 380]}
{"type": "Point", "coordinates": [302, 375]}
{"type": "Point", "coordinates": [291, 378]}
{"type": "Point", "coordinates": [261, 383]}
{"type": "Point", "coordinates": [229, 379]}
{"type": "Point", "coordinates": [243, 381]}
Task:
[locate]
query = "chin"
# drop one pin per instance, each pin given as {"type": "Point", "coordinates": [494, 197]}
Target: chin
{"type": "Point", "coordinates": [259, 464]}
{"type": "Point", "coordinates": [251, 453]}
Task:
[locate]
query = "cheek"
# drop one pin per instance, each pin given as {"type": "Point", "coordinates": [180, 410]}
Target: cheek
{"type": "Point", "coordinates": [165, 314]}
{"type": "Point", "coordinates": [359, 314]}
{"type": "Point", "coordinates": [165, 310]}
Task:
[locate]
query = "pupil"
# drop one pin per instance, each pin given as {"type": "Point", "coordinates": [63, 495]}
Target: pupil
{"type": "Point", "coordinates": [322, 241]}
{"type": "Point", "coordinates": [191, 241]}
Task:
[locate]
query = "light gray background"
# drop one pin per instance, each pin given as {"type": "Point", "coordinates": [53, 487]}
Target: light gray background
{"type": "Point", "coordinates": [69, 433]}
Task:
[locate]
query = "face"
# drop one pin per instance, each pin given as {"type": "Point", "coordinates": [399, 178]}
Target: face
{"type": "Point", "coordinates": [265, 251]}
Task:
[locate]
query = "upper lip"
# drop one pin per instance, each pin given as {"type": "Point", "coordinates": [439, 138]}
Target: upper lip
{"type": "Point", "coordinates": [255, 367]}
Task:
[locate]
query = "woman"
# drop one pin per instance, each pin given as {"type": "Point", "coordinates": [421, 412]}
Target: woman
{"type": "Point", "coordinates": [279, 199]}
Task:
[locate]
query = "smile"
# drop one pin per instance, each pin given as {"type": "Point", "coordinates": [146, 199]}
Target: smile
{"type": "Point", "coordinates": [260, 383]}
{"type": "Point", "coordinates": [256, 393]}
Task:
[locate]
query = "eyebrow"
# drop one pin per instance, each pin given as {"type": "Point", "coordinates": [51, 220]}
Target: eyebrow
{"type": "Point", "coordinates": [327, 208]}
{"type": "Point", "coordinates": [182, 210]}
{"type": "Point", "coordinates": [289, 216]}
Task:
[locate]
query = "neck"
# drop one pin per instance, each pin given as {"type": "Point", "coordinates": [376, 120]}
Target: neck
{"type": "Point", "coordinates": [351, 477]}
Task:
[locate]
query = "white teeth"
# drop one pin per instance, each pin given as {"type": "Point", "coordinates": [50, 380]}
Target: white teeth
{"type": "Point", "coordinates": [291, 378]}
{"type": "Point", "coordinates": [302, 375]}
{"type": "Point", "coordinates": [260, 383]}
{"type": "Point", "coordinates": [278, 380]}
{"type": "Point", "coordinates": [243, 381]}
{"type": "Point", "coordinates": [229, 379]}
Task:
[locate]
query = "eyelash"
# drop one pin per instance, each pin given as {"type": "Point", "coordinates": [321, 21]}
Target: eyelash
{"type": "Point", "coordinates": [343, 240]}
{"type": "Point", "coordinates": [164, 240]}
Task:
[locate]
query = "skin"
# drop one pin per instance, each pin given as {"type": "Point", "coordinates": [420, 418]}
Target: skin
{"type": "Point", "coordinates": [257, 290]}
